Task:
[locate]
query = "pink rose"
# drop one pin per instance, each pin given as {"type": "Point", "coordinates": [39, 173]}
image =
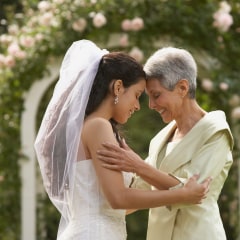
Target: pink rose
{"type": "Point", "coordinates": [10, 61]}
{"type": "Point", "coordinates": [137, 24]}
{"type": "Point", "coordinates": [126, 25]}
{"type": "Point", "coordinates": [222, 18]}
{"type": "Point", "coordinates": [13, 48]}
{"type": "Point", "coordinates": [27, 41]}
{"type": "Point", "coordinates": [222, 21]}
{"type": "Point", "coordinates": [123, 41]}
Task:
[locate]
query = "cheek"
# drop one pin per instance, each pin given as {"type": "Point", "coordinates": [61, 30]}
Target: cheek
{"type": "Point", "coordinates": [128, 101]}
{"type": "Point", "coordinates": [121, 112]}
{"type": "Point", "coordinates": [158, 101]}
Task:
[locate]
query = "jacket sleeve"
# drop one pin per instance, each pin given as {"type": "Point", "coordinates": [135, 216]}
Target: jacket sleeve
{"type": "Point", "coordinates": [213, 159]}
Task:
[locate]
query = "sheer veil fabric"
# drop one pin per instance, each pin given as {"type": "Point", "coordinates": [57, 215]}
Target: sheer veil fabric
{"type": "Point", "coordinates": [58, 140]}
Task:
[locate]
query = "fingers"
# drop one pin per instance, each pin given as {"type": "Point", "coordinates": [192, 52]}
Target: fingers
{"type": "Point", "coordinates": [106, 153]}
{"type": "Point", "coordinates": [206, 184]}
{"type": "Point", "coordinates": [124, 144]}
{"type": "Point", "coordinates": [195, 177]}
{"type": "Point", "coordinates": [207, 181]}
{"type": "Point", "coordinates": [108, 160]}
{"type": "Point", "coordinates": [111, 147]}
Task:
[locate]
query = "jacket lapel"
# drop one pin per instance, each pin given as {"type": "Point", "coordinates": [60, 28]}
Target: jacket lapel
{"type": "Point", "coordinates": [159, 141]}
{"type": "Point", "coordinates": [194, 139]}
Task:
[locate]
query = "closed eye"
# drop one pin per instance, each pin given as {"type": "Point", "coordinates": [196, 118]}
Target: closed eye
{"type": "Point", "coordinates": [156, 95]}
{"type": "Point", "coordinates": [138, 95]}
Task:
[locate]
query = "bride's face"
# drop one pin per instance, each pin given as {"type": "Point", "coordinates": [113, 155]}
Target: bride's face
{"type": "Point", "coordinates": [128, 102]}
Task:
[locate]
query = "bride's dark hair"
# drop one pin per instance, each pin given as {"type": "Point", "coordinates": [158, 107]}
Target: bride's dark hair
{"type": "Point", "coordinates": [113, 66]}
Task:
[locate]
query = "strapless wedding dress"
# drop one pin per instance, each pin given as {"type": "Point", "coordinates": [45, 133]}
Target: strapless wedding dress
{"type": "Point", "coordinates": [92, 217]}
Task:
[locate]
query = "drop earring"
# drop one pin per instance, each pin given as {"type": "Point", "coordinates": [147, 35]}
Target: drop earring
{"type": "Point", "coordinates": [116, 100]}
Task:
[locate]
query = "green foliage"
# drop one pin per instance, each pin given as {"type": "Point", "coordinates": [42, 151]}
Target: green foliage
{"type": "Point", "coordinates": [182, 23]}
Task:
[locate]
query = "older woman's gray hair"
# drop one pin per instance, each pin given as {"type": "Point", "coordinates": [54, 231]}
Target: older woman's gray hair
{"type": "Point", "coordinates": [170, 65]}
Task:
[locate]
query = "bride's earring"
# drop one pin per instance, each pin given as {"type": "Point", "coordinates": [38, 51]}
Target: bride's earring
{"type": "Point", "coordinates": [116, 100]}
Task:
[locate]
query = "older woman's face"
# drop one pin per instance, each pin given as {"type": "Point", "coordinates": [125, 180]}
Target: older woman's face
{"type": "Point", "coordinates": [167, 103]}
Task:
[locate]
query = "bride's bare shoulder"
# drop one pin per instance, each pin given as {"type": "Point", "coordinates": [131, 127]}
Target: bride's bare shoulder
{"type": "Point", "coordinates": [96, 122]}
{"type": "Point", "coordinates": [96, 126]}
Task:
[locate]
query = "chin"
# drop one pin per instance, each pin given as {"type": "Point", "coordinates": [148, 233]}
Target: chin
{"type": "Point", "coordinates": [121, 121]}
{"type": "Point", "coordinates": [165, 120]}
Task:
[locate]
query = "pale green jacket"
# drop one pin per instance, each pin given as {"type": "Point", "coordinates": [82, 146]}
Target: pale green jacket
{"type": "Point", "coordinates": [207, 150]}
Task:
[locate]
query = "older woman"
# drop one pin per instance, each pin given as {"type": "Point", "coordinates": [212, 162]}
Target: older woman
{"type": "Point", "coordinates": [194, 141]}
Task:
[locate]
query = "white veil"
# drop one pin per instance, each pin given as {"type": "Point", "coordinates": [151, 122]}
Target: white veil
{"type": "Point", "coordinates": [58, 140]}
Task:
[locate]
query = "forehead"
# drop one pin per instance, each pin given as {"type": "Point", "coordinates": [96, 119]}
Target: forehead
{"type": "Point", "coordinates": [152, 85]}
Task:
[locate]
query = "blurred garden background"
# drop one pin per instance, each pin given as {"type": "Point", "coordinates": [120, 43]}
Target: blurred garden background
{"type": "Point", "coordinates": [34, 35]}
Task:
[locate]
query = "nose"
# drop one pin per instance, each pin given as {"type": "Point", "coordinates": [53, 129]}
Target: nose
{"type": "Point", "coordinates": [137, 106]}
{"type": "Point", "coordinates": [151, 104]}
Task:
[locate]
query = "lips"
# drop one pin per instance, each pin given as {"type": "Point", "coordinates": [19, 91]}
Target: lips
{"type": "Point", "coordinates": [131, 112]}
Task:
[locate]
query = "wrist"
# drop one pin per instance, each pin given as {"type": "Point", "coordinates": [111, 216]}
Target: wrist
{"type": "Point", "coordinates": [141, 167]}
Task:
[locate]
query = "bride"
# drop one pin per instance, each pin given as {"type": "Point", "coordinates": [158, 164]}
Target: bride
{"type": "Point", "coordinates": [97, 90]}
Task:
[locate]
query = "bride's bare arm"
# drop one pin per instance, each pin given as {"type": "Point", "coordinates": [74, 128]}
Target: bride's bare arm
{"type": "Point", "coordinates": [125, 159]}
{"type": "Point", "coordinates": [97, 131]}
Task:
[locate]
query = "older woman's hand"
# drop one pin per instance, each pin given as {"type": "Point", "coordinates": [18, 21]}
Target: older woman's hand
{"type": "Point", "coordinates": [119, 158]}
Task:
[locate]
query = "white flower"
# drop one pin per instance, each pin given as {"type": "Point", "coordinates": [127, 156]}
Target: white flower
{"type": "Point", "coordinates": [81, 3]}
{"type": "Point", "coordinates": [137, 54]}
{"type": "Point", "coordinates": [207, 84]}
{"type": "Point", "coordinates": [234, 100]}
{"type": "Point", "coordinates": [39, 37]}
{"type": "Point", "coordinates": [67, 15]}
{"type": "Point", "coordinates": [44, 6]}
{"type": "Point", "coordinates": [46, 19]}
{"type": "Point", "coordinates": [223, 86]}
{"type": "Point", "coordinates": [13, 29]}
{"type": "Point", "coordinates": [137, 24]}
{"type": "Point", "coordinates": [58, 1]}
{"type": "Point", "coordinates": [99, 20]}
{"type": "Point", "coordinates": [236, 113]}
{"type": "Point", "coordinates": [79, 25]}
{"type": "Point", "coordinates": [6, 39]}
{"type": "Point", "coordinates": [224, 6]}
